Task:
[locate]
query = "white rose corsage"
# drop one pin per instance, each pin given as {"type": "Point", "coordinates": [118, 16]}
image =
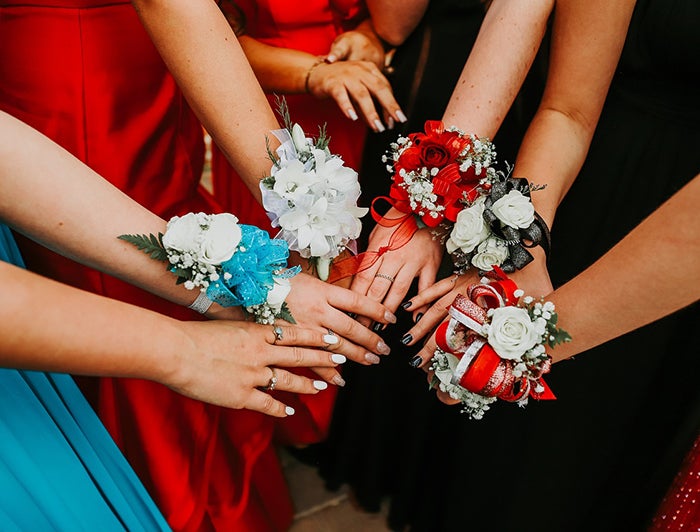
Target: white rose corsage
{"type": "Point", "coordinates": [497, 227]}
{"type": "Point", "coordinates": [311, 196]}
{"type": "Point", "coordinates": [493, 346]}
{"type": "Point", "coordinates": [232, 263]}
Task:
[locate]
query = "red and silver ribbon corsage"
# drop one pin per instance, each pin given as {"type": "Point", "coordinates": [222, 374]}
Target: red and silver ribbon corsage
{"type": "Point", "coordinates": [493, 346]}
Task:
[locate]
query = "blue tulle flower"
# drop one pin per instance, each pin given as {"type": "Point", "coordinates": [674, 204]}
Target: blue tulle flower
{"type": "Point", "coordinates": [247, 277]}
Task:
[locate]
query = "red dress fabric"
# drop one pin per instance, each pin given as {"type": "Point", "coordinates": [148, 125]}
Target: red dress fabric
{"type": "Point", "coordinates": [86, 74]}
{"type": "Point", "coordinates": [309, 26]}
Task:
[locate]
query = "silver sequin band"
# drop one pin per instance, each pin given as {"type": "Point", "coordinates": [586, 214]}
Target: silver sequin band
{"type": "Point", "coordinates": [201, 304]}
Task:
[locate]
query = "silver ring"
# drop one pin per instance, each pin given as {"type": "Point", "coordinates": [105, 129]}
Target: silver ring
{"type": "Point", "coordinates": [273, 381]}
{"type": "Point", "coordinates": [385, 276]}
{"type": "Point", "coordinates": [279, 333]}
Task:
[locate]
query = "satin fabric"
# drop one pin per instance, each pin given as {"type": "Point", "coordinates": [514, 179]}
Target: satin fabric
{"type": "Point", "coordinates": [59, 468]}
{"type": "Point", "coordinates": [309, 26]}
{"type": "Point", "coordinates": [87, 75]}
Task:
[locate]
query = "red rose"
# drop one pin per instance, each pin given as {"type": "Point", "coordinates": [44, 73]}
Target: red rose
{"type": "Point", "coordinates": [433, 154]}
{"type": "Point", "coordinates": [410, 159]}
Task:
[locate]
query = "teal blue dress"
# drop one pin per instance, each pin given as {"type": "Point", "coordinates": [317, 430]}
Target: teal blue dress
{"type": "Point", "coordinates": [59, 468]}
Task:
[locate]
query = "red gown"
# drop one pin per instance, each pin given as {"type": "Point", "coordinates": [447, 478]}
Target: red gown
{"type": "Point", "coordinates": [86, 74]}
{"type": "Point", "coordinates": [309, 26]}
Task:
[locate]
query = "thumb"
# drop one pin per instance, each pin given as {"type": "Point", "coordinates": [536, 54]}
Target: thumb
{"type": "Point", "coordinates": [339, 51]}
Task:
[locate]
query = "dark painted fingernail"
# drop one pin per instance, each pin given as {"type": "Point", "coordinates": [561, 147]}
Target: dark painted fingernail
{"type": "Point", "coordinates": [406, 339]}
{"type": "Point", "coordinates": [419, 316]}
{"type": "Point", "coordinates": [352, 315]}
{"type": "Point", "coordinates": [406, 304]}
{"type": "Point", "coordinates": [416, 361]}
{"type": "Point", "coordinates": [377, 326]}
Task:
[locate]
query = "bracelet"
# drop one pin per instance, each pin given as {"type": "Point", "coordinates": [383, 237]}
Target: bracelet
{"type": "Point", "coordinates": [201, 304]}
{"type": "Point", "coordinates": [308, 74]}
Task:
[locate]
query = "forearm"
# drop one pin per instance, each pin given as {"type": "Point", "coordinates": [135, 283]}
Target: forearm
{"type": "Point", "coordinates": [651, 273]}
{"type": "Point", "coordinates": [204, 56]}
{"type": "Point", "coordinates": [48, 326]}
{"type": "Point", "coordinates": [392, 28]}
{"type": "Point", "coordinates": [500, 59]}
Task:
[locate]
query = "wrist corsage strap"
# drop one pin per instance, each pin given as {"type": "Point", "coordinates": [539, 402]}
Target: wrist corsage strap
{"type": "Point", "coordinates": [233, 264]}
{"type": "Point", "coordinates": [493, 346]}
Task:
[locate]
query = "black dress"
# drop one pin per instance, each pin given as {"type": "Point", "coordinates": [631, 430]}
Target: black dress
{"type": "Point", "coordinates": [602, 455]}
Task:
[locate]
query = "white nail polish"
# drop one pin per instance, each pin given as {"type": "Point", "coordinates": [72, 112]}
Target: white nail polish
{"type": "Point", "coordinates": [320, 385]}
{"type": "Point", "coordinates": [352, 114]}
{"type": "Point", "coordinates": [390, 123]}
{"type": "Point", "coordinates": [372, 358]}
{"type": "Point", "coordinates": [330, 338]}
{"type": "Point", "coordinates": [401, 116]}
{"type": "Point", "coordinates": [379, 126]}
{"type": "Point", "coordinates": [289, 410]}
{"type": "Point", "coordinates": [338, 359]}
{"type": "Point", "coordinates": [339, 381]}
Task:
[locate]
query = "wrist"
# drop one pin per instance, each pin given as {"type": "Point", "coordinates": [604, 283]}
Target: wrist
{"type": "Point", "coordinates": [309, 72]}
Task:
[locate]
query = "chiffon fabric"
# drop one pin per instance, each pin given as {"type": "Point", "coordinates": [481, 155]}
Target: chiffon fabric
{"type": "Point", "coordinates": [86, 74]}
{"type": "Point", "coordinates": [59, 468]}
{"type": "Point", "coordinates": [309, 26]}
{"type": "Point", "coordinates": [603, 454]}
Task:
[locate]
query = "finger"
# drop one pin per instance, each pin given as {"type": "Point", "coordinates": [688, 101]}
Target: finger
{"type": "Point", "coordinates": [357, 342]}
{"type": "Point", "coordinates": [339, 51]}
{"type": "Point", "coordinates": [382, 93]}
{"type": "Point", "coordinates": [356, 302]}
{"type": "Point", "coordinates": [399, 288]}
{"type": "Point", "coordinates": [292, 335]}
{"type": "Point", "coordinates": [428, 295]}
{"type": "Point", "coordinates": [265, 403]}
{"type": "Point", "coordinates": [425, 354]}
{"type": "Point", "coordinates": [291, 382]}
{"type": "Point", "coordinates": [430, 319]}
{"type": "Point", "coordinates": [362, 96]}
{"type": "Point", "coordinates": [342, 99]}
{"type": "Point", "coordinates": [330, 375]}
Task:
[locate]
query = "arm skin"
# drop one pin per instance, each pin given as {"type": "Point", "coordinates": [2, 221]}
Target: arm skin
{"type": "Point", "coordinates": [392, 29]}
{"type": "Point", "coordinates": [220, 362]}
{"type": "Point", "coordinates": [512, 31]}
{"type": "Point", "coordinates": [613, 296]}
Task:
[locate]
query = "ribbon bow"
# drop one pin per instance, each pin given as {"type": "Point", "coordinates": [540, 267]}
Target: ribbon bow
{"type": "Point", "coordinates": [480, 369]}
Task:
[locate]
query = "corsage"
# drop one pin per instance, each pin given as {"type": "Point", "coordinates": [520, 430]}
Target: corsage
{"type": "Point", "coordinates": [493, 346]}
{"type": "Point", "coordinates": [231, 263]}
{"type": "Point", "coordinates": [311, 196]}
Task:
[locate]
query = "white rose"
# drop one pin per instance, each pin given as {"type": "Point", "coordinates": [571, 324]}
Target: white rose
{"type": "Point", "coordinates": [491, 251]}
{"type": "Point", "coordinates": [514, 210]}
{"type": "Point", "coordinates": [278, 294]}
{"type": "Point", "coordinates": [220, 240]}
{"type": "Point", "coordinates": [469, 229]}
{"type": "Point", "coordinates": [511, 332]}
{"type": "Point", "coordinates": [183, 233]}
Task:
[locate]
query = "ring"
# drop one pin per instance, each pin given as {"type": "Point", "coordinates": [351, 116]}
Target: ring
{"type": "Point", "coordinates": [385, 276]}
{"type": "Point", "coordinates": [279, 334]}
{"type": "Point", "coordinates": [273, 381]}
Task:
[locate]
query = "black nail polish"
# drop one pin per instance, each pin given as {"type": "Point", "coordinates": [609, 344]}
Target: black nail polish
{"type": "Point", "coordinates": [419, 316]}
{"type": "Point", "coordinates": [406, 304]}
{"type": "Point", "coordinates": [377, 326]}
{"type": "Point", "coordinates": [406, 339]}
{"type": "Point", "coordinates": [352, 315]}
{"type": "Point", "coordinates": [416, 361]}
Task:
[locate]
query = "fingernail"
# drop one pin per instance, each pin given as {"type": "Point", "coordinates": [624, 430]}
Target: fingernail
{"type": "Point", "coordinates": [402, 117]}
{"type": "Point", "coordinates": [406, 304]}
{"type": "Point", "coordinates": [388, 316]}
{"type": "Point", "coordinates": [338, 359]}
{"type": "Point", "coordinates": [379, 126]}
{"type": "Point", "coordinates": [352, 315]}
{"type": "Point", "coordinates": [419, 316]}
{"type": "Point", "coordinates": [382, 348]}
{"type": "Point", "coordinates": [390, 123]}
{"type": "Point", "coordinates": [377, 326]}
{"type": "Point", "coordinates": [416, 361]}
{"type": "Point", "coordinates": [330, 58]}
{"type": "Point", "coordinates": [406, 339]}
{"type": "Point", "coordinates": [352, 114]}
{"type": "Point", "coordinates": [338, 381]}
{"type": "Point", "coordinates": [330, 338]}
{"type": "Point", "coordinates": [372, 358]}
{"type": "Point", "coordinates": [320, 385]}
{"type": "Point", "coordinates": [289, 410]}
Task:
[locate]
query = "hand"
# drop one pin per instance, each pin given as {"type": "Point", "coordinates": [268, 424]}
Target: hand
{"type": "Point", "coordinates": [229, 362]}
{"type": "Point", "coordinates": [322, 306]}
{"type": "Point", "coordinates": [360, 44]}
{"type": "Point", "coordinates": [420, 257]}
{"type": "Point", "coordinates": [357, 84]}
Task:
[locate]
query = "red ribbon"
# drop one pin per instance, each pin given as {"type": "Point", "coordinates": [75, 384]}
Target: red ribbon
{"type": "Point", "coordinates": [487, 373]}
{"type": "Point", "coordinates": [406, 227]}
